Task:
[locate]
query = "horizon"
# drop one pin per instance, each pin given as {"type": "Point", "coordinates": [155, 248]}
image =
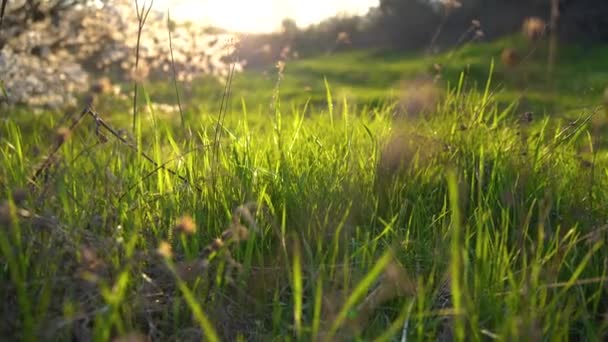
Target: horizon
{"type": "Point", "coordinates": [263, 16]}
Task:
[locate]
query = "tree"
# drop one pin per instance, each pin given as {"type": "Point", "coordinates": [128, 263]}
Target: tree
{"type": "Point", "coordinates": [584, 20]}
{"type": "Point", "coordinates": [289, 27]}
{"type": "Point", "coordinates": [50, 49]}
{"type": "Point", "coordinates": [407, 23]}
{"type": "Point", "coordinates": [411, 23]}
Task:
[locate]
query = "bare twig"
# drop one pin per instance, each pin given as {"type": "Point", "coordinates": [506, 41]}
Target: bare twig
{"type": "Point", "coordinates": [50, 158]}
{"type": "Point", "coordinates": [112, 131]}
{"type": "Point", "coordinates": [159, 167]}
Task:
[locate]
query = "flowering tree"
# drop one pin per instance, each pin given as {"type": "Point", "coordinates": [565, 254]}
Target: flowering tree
{"type": "Point", "coordinates": [51, 50]}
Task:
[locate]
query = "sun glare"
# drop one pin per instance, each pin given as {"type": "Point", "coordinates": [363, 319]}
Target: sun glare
{"type": "Point", "coordinates": [259, 15]}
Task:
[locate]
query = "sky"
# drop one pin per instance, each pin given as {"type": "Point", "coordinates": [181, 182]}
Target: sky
{"type": "Point", "coordinates": [255, 16]}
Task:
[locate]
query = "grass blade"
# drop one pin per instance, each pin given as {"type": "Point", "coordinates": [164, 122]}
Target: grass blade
{"type": "Point", "coordinates": [359, 291]}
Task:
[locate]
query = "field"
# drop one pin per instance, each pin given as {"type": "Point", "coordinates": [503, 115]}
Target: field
{"type": "Point", "coordinates": [346, 197]}
{"type": "Point", "coordinates": [373, 77]}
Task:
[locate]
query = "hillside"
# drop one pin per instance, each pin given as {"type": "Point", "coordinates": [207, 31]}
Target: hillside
{"type": "Point", "coordinates": [369, 77]}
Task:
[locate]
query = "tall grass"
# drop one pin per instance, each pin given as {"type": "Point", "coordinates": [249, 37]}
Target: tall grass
{"type": "Point", "coordinates": [485, 229]}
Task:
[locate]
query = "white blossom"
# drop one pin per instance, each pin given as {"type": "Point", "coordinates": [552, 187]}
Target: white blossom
{"type": "Point", "coordinates": [52, 60]}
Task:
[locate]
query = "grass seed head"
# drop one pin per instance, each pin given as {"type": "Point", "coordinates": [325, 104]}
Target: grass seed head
{"type": "Point", "coordinates": [164, 249]}
{"type": "Point", "coordinates": [217, 244]}
{"type": "Point", "coordinates": [527, 117]}
{"type": "Point", "coordinates": [185, 225]}
{"type": "Point", "coordinates": [102, 86]}
{"type": "Point", "coordinates": [450, 5]}
{"type": "Point", "coordinates": [533, 28]}
{"type": "Point", "coordinates": [510, 57]}
{"type": "Point", "coordinates": [90, 262]}
{"type": "Point", "coordinates": [62, 135]}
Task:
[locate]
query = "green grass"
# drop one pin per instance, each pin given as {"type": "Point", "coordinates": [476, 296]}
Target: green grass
{"type": "Point", "coordinates": [377, 77]}
{"type": "Point", "coordinates": [346, 221]}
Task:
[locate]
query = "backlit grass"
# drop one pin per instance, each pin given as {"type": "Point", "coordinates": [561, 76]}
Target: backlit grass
{"type": "Point", "coordinates": [313, 222]}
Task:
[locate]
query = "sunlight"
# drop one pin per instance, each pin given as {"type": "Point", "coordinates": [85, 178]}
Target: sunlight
{"type": "Point", "coordinates": [260, 15]}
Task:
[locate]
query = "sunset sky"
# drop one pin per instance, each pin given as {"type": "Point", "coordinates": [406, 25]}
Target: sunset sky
{"type": "Point", "coordinates": [259, 15]}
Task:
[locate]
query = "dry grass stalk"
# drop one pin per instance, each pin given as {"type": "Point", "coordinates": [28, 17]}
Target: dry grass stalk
{"type": "Point", "coordinates": [142, 16]}
{"type": "Point", "coordinates": [605, 100]}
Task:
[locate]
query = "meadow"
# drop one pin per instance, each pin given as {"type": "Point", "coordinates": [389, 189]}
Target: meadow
{"type": "Point", "coordinates": [357, 196]}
